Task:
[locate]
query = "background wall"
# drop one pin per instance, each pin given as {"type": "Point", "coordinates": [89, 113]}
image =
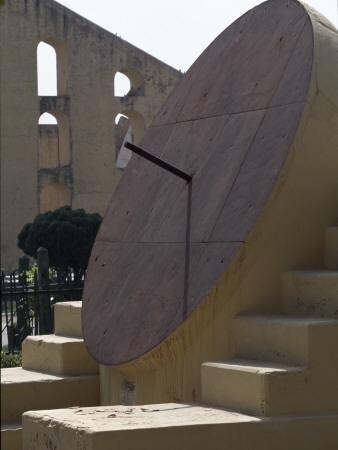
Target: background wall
{"type": "Point", "coordinates": [74, 161]}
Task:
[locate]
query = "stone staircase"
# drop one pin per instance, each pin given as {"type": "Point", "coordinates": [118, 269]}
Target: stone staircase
{"type": "Point", "coordinates": [279, 391]}
{"type": "Point", "coordinates": [285, 364]}
{"type": "Point", "coordinates": [279, 368]}
{"type": "Point", "coordinates": [57, 372]}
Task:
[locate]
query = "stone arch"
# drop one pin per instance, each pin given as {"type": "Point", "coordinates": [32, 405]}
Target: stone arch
{"type": "Point", "coordinates": [64, 137]}
{"type": "Point", "coordinates": [53, 196]}
{"type": "Point", "coordinates": [129, 126]}
{"type": "Point", "coordinates": [137, 122]}
{"type": "Point", "coordinates": [122, 134]}
{"type": "Point", "coordinates": [122, 85]}
{"type": "Point", "coordinates": [46, 69]}
{"type": "Point", "coordinates": [54, 142]}
{"type": "Point", "coordinates": [62, 64]}
{"type": "Point", "coordinates": [135, 78]}
{"type": "Point", "coordinates": [47, 119]}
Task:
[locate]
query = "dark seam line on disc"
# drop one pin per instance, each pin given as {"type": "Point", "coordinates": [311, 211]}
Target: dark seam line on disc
{"type": "Point", "coordinates": [231, 189]}
{"type": "Point", "coordinates": [267, 109]}
{"type": "Point", "coordinates": [144, 193]}
{"type": "Point", "coordinates": [287, 64]}
{"type": "Point", "coordinates": [207, 51]}
{"type": "Point", "coordinates": [248, 14]}
{"type": "Point", "coordinates": [200, 167]}
{"type": "Point", "coordinates": [236, 177]}
{"type": "Point", "coordinates": [230, 113]}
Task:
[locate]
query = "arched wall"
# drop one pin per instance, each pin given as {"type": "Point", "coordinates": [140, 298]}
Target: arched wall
{"type": "Point", "coordinates": [53, 196]}
{"type": "Point", "coordinates": [46, 69]}
{"type": "Point", "coordinates": [64, 137]}
{"type": "Point", "coordinates": [62, 63]}
{"type": "Point", "coordinates": [137, 122]}
{"type": "Point", "coordinates": [135, 77]}
{"type": "Point", "coordinates": [48, 146]}
{"type": "Point", "coordinates": [54, 142]}
{"type": "Point", "coordinates": [121, 85]}
{"type": "Point", "coordinates": [85, 107]}
{"type": "Point", "coordinates": [123, 133]}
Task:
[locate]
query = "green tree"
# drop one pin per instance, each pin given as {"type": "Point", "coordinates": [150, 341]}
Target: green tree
{"type": "Point", "coordinates": [67, 234]}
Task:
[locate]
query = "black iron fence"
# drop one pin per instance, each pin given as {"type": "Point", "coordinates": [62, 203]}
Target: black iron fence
{"type": "Point", "coordinates": [28, 297]}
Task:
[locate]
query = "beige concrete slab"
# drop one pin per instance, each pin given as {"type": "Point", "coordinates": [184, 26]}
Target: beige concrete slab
{"type": "Point", "coordinates": [331, 248]}
{"type": "Point", "coordinates": [313, 292]}
{"type": "Point", "coordinates": [60, 355]}
{"type": "Point", "coordinates": [254, 387]}
{"type": "Point", "coordinates": [278, 338]}
{"type": "Point", "coordinates": [23, 390]}
{"type": "Point", "coordinates": [67, 319]}
{"type": "Point", "coordinates": [266, 388]}
{"type": "Point", "coordinates": [179, 426]}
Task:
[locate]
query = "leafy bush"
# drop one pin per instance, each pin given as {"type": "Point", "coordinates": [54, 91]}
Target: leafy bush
{"type": "Point", "coordinates": [11, 360]}
{"type": "Point", "coordinates": [67, 234]}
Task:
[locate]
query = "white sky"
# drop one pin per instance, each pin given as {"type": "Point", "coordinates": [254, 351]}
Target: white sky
{"type": "Point", "coordinates": [174, 31]}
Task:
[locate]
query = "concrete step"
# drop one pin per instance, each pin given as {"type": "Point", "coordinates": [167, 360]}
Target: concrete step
{"type": "Point", "coordinates": [11, 436]}
{"type": "Point", "coordinates": [179, 426]}
{"type": "Point", "coordinates": [58, 355]}
{"type": "Point", "coordinates": [284, 339]}
{"type": "Point", "coordinates": [256, 387]}
{"type": "Point", "coordinates": [331, 248]}
{"type": "Point", "coordinates": [67, 319]}
{"type": "Point", "coordinates": [312, 292]}
{"type": "Point", "coordinates": [24, 390]}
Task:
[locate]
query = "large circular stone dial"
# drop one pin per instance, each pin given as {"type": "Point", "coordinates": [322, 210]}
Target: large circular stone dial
{"type": "Point", "coordinates": [230, 121]}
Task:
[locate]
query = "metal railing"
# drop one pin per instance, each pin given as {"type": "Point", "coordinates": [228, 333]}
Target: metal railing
{"type": "Point", "coordinates": [27, 304]}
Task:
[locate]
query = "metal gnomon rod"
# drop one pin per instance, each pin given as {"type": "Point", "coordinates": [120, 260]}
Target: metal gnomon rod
{"type": "Point", "coordinates": [154, 159]}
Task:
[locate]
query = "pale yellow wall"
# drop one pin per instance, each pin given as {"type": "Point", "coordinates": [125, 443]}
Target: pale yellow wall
{"type": "Point", "coordinates": [88, 58]}
{"type": "Point", "coordinates": [48, 146]}
{"type": "Point", "coordinates": [19, 138]}
{"type": "Point", "coordinates": [53, 196]}
{"type": "Point", "coordinates": [289, 234]}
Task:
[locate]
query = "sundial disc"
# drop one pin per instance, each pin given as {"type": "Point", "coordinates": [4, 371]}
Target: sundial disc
{"type": "Point", "coordinates": [230, 122]}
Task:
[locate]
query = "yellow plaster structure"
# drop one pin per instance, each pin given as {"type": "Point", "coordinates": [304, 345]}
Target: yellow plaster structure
{"type": "Point", "coordinates": [74, 162]}
{"type": "Point", "coordinates": [62, 355]}
{"type": "Point", "coordinates": [57, 372]}
{"type": "Point", "coordinates": [288, 235]}
{"type": "Point", "coordinates": [169, 426]}
{"type": "Point", "coordinates": [68, 319]}
{"type": "Point", "coordinates": [259, 356]}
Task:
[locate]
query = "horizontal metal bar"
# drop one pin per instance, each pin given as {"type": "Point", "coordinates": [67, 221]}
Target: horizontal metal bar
{"type": "Point", "coordinates": [12, 293]}
{"type": "Point", "coordinates": [170, 168]}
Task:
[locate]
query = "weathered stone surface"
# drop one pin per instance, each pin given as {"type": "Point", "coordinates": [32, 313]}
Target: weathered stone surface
{"type": "Point", "coordinates": [230, 122]}
{"type": "Point", "coordinates": [61, 355]}
{"type": "Point", "coordinates": [182, 426]}
{"type": "Point", "coordinates": [26, 390]}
